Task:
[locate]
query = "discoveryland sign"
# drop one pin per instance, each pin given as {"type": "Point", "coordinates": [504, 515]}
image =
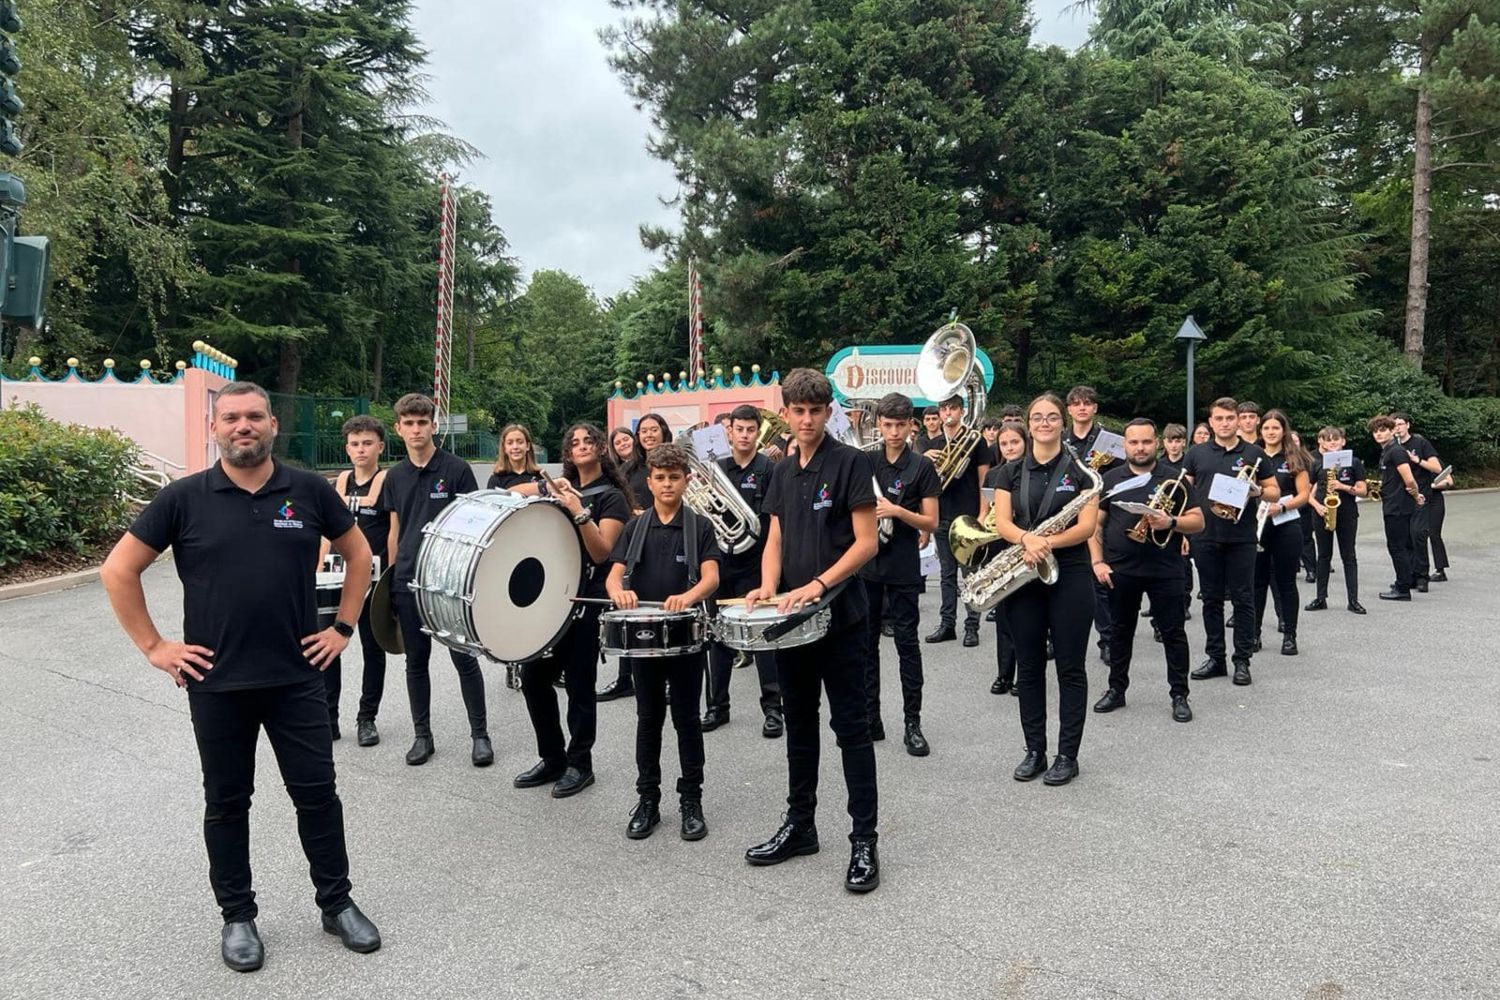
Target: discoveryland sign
{"type": "Point", "coordinates": [870, 371]}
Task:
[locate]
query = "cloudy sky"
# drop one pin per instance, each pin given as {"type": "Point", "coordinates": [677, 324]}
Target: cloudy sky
{"type": "Point", "coordinates": [564, 151]}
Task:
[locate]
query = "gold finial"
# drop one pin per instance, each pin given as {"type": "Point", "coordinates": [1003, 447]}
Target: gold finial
{"type": "Point", "coordinates": [200, 347]}
{"type": "Point", "coordinates": [109, 362]}
{"type": "Point", "coordinates": [182, 366]}
{"type": "Point", "coordinates": [72, 362]}
{"type": "Point", "coordinates": [755, 369]}
{"type": "Point", "coordinates": [33, 361]}
{"type": "Point", "coordinates": [145, 365]}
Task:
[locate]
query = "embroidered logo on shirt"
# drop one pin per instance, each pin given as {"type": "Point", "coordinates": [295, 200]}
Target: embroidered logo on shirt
{"type": "Point", "coordinates": [749, 482]}
{"type": "Point", "coordinates": [1239, 464]}
{"type": "Point", "coordinates": [288, 515]}
{"type": "Point", "coordinates": [1284, 468]}
{"type": "Point", "coordinates": [895, 488]}
{"type": "Point", "coordinates": [439, 490]}
{"type": "Point", "coordinates": [1066, 484]}
{"type": "Point", "coordinates": [824, 500]}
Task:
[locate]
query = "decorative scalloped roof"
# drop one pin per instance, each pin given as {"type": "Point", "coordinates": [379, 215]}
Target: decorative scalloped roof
{"type": "Point", "coordinates": [652, 387]}
{"type": "Point", "coordinates": [207, 358]}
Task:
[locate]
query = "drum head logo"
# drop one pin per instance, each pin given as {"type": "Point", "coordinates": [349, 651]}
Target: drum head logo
{"type": "Point", "coordinates": [824, 500]}
{"type": "Point", "coordinates": [646, 634]}
{"type": "Point", "coordinates": [439, 490]}
{"type": "Point", "coordinates": [287, 515]}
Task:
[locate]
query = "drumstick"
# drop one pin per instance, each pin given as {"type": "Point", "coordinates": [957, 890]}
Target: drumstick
{"type": "Point", "coordinates": [605, 600]}
{"type": "Point", "coordinates": [726, 602]}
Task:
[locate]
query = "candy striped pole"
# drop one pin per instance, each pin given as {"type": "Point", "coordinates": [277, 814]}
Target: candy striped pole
{"type": "Point", "coordinates": [696, 358]}
{"type": "Point", "coordinates": [442, 366]}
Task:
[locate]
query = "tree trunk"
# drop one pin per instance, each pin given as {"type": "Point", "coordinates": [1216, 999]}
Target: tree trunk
{"type": "Point", "coordinates": [289, 370]}
{"type": "Point", "coordinates": [1421, 220]}
{"type": "Point", "coordinates": [177, 136]}
{"type": "Point", "coordinates": [377, 369]}
{"type": "Point", "coordinates": [469, 335]}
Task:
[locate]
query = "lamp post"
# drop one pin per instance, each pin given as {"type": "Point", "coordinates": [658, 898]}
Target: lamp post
{"type": "Point", "coordinates": [1191, 333]}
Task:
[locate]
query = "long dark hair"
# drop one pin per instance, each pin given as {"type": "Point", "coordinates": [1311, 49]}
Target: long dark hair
{"type": "Point", "coordinates": [638, 460]}
{"type": "Point", "coordinates": [1297, 460]}
{"type": "Point", "coordinates": [635, 446]}
{"type": "Point", "coordinates": [608, 467]}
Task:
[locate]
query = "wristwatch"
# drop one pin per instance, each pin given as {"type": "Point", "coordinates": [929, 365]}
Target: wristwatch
{"type": "Point", "coordinates": [344, 629]}
{"type": "Point", "coordinates": [581, 518]}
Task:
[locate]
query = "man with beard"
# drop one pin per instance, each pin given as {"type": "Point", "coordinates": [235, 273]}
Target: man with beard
{"type": "Point", "coordinates": [245, 536]}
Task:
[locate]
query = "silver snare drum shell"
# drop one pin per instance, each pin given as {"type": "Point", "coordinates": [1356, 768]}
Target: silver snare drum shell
{"type": "Point", "coordinates": [647, 632]}
{"type": "Point", "coordinates": [745, 630]}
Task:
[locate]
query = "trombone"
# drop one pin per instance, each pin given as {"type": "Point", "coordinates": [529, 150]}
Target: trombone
{"type": "Point", "coordinates": [949, 366]}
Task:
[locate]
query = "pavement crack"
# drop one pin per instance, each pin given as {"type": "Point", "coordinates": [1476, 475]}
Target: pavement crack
{"type": "Point", "coordinates": [113, 690]}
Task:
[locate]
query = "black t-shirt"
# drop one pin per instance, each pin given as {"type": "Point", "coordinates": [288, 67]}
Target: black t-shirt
{"type": "Point", "coordinates": [373, 522]}
{"type": "Point", "coordinates": [1083, 445]}
{"type": "Point", "coordinates": [1422, 448]}
{"type": "Point", "coordinates": [637, 477]}
{"type": "Point", "coordinates": [1206, 460]}
{"type": "Point", "coordinates": [416, 496]}
{"type": "Point", "coordinates": [1286, 481]}
{"type": "Point", "coordinates": [1138, 558]}
{"type": "Point", "coordinates": [905, 483]}
{"type": "Point", "coordinates": [1394, 500]}
{"type": "Point", "coordinates": [1169, 468]}
{"type": "Point", "coordinates": [248, 565]}
{"type": "Point", "coordinates": [1028, 512]}
{"type": "Point", "coordinates": [962, 495]}
{"type": "Point", "coordinates": [751, 482]}
{"type": "Point", "coordinates": [663, 569]}
{"type": "Point", "coordinates": [815, 505]}
{"type": "Point", "coordinates": [604, 502]}
{"type": "Point", "coordinates": [509, 480]}
{"type": "Point", "coordinates": [1349, 475]}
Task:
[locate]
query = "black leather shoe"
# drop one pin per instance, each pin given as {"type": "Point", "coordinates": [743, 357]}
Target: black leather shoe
{"type": "Point", "coordinates": [338, 734]}
{"type": "Point", "coordinates": [1209, 668]}
{"type": "Point", "coordinates": [1000, 686]}
{"type": "Point", "coordinates": [1396, 594]}
{"type": "Point", "coordinates": [1317, 604]}
{"type": "Point", "coordinates": [572, 782]}
{"type": "Point", "coordinates": [1356, 607]}
{"type": "Point", "coordinates": [1031, 766]}
{"type": "Point", "coordinates": [1062, 771]}
{"type": "Point", "coordinates": [540, 773]}
{"type": "Point", "coordinates": [1112, 700]}
{"type": "Point", "coordinates": [354, 929]}
{"type": "Point", "coordinates": [714, 718]}
{"type": "Point", "coordinates": [1187, 614]}
{"type": "Point", "coordinates": [774, 725]}
{"type": "Point", "coordinates": [241, 948]}
{"type": "Point", "coordinates": [483, 755]}
{"type": "Point", "coordinates": [1181, 710]}
{"type": "Point", "coordinates": [366, 735]}
{"type": "Point", "coordinates": [943, 633]}
{"type": "Point", "coordinates": [1241, 673]}
{"type": "Point", "coordinates": [1421, 586]}
{"type": "Point", "coordinates": [643, 819]}
{"type": "Point", "coordinates": [789, 841]}
{"type": "Point", "coordinates": [421, 751]}
{"type": "Point", "coordinates": [615, 689]}
{"type": "Point", "coordinates": [1441, 576]}
{"type": "Point", "coordinates": [877, 731]}
{"type": "Point", "coordinates": [1229, 625]}
{"type": "Point", "coordinates": [864, 867]}
{"type": "Point", "coordinates": [1309, 577]}
{"type": "Point", "coordinates": [971, 636]}
{"type": "Point", "coordinates": [1289, 644]}
{"type": "Point", "coordinates": [694, 827]}
{"type": "Point", "coordinates": [916, 743]}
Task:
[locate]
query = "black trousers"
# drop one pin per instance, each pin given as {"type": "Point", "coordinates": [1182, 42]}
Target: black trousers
{"type": "Point", "coordinates": [1005, 646]}
{"type": "Point", "coordinates": [372, 682]}
{"type": "Point", "coordinates": [1421, 530]}
{"type": "Point", "coordinates": [721, 658]}
{"type": "Point", "coordinates": [1437, 510]}
{"type": "Point", "coordinates": [1345, 530]}
{"type": "Point", "coordinates": [1277, 566]}
{"type": "Point", "coordinates": [1398, 536]}
{"type": "Point", "coordinates": [1309, 553]}
{"type": "Point", "coordinates": [1227, 570]}
{"type": "Point", "coordinates": [1102, 617]}
{"type": "Point", "coordinates": [899, 601]}
{"type": "Point", "coordinates": [948, 610]}
{"type": "Point", "coordinates": [576, 657]}
{"type": "Point", "coordinates": [1167, 606]}
{"type": "Point", "coordinates": [419, 682]}
{"type": "Point", "coordinates": [835, 664]}
{"type": "Point", "coordinates": [652, 676]}
{"type": "Point", "coordinates": [227, 727]}
{"type": "Point", "coordinates": [1064, 611]}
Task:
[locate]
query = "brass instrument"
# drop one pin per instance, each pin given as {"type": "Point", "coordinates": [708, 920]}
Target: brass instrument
{"type": "Point", "coordinates": [885, 525]}
{"type": "Point", "coordinates": [772, 426]}
{"type": "Point", "coordinates": [948, 366]}
{"type": "Point", "coordinates": [1228, 513]}
{"type": "Point", "coordinates": [864, 433]}
{"type": "Point", "coordinates": [1372, 488]}
{"type": "Point", "coordinates": [712, 496]}
{"type": "Point", "coordinates": [1331, 502]}
{"type": "Point", "coordinates": [1168, 497]}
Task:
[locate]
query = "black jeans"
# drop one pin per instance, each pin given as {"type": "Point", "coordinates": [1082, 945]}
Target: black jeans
{"type": "Point", "coordinates": [1102, 616]}
{"type": "Point", "coordinates": [1005, 646]}
{"type": "Point", "coordinates": [576, 656]}
{"type": "Point", "coordinates": [721, 658]}
{"type": "Point", "coordinates": [1278, 567]}
{"type": "Point", "coordinates": [1227, 569]}
{"type": "Point", "coordinates": [652, 675]}
{"type": "Point", "coordinates": [1309, 553]}
{"type": "Point", "coordinates": [1167, 606]}
{"type": "Point", "coordinates": [1345, 529]}
{"type": "Point", "coordinates": [1437, 509]}
{"type": "Point", "coordinates": [836, 664]}
{"type": "Point", "coordinates": [418, 681]}
{"type": "Point", "coordinates": [948, 610]}
{"type": "Point", "coordinates": [1064, 610]}
{"type": "Point", "coordinates": [899, 601]}
{"type": "Point", "coordinates": [227, 727]}
{"type": "Point", "coordinates": [1398, 535]}
{"type": "Point", "coordinates": [372, 682]}
{"type": "Point", "coordinates": [1421, 529]}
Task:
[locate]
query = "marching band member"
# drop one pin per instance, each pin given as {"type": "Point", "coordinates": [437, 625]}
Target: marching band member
{"type": "Point", "coordinates": [1400, 498]}
{"type": "Point", "coordinates": [1348, 484]}
{"type": "Point", "coordinates": [594, 492]}
{"type": "Point", "coordinates": [1247, 420]}
{"type": "Point", "coordinates": [822, 507]}
{"type": "Point", "coordinates": [1083, 406]}
{"type": "Point", "coordinates": [1012, 443]}
{"type": "Point", "coordinates": [1029, 491]}
{"type": "Point", "coordinates": [1425, 467]}
{"type": "Point", "coordinates": [1281, 544]}
{"type": "Point", "coordinates": [932, 428]}
{"type": "Point", "coordinates": [651, 430]}
{"type": "Point", "coordinates": [1202, 434]}
{"type": "Point", "coordinates": [622, 443]}
{"type": "Point", "coordinates": [960, 497]}
{"type": "Point", "coordinates": [1174, 446]}
{"type": "Point", "coordinates": [515, 468]}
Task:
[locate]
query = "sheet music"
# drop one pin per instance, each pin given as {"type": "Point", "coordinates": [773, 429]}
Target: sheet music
{"type": "Point", "coordinates": [1229, 490]}
{"type": "Point", "coordinates": [1109, 443]}
{"type": "Point", "coordinates": [711, 443]}
{"type": "Point", "coordinates": [1338, 459]}
{"type": "Point", "coordinates": [1134, 482]}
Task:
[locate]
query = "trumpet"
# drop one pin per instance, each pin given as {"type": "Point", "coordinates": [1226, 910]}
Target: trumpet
{"type": "Point", "coordinates": [948, 366]}
{"type": "Point", "coordinates": [1331, 502]}
{"type": "Point", "coordinates": [1224, 510]}
{"type": "Point", "coordinates": [1168, 497]}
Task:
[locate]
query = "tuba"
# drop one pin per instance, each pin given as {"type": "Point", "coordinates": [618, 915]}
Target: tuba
{"type": "Point", "coordinates": [1331, 502]}
{"type": "Point", "coordinates": [711, 495]}
{"type": "Point", "coordinates": [948, 366]}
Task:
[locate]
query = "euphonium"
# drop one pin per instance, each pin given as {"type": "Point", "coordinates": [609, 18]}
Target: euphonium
{"type": "Point", "coordinates": [948, 366]}
{"type": "Point", "coordinates": [1169, 497]}
{"type": "Point", "coordinates": [1331, 502]}
{"type": "Point", "coordinates": [711, 495]}
{"type": "Point", "coordinates": [1227, 512]}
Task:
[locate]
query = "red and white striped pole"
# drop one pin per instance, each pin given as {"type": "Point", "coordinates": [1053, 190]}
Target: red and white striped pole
{"type": "Point", "coordinates": [696, 357]}
{"type": "Point", "coordinates": [442, 364]}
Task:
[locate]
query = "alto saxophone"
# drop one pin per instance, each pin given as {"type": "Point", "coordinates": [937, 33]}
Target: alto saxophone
{"type": "Point", "coordinates": [1007, 572]}
{"type": "Point", "coordinates": [1331, 502]}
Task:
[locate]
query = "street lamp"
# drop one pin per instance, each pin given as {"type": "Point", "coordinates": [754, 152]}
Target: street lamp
{"type": "Point", "coordinates": [1191, 333]}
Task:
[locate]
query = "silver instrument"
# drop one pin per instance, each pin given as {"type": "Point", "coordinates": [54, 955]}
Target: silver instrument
{"type": "Point", "coordinates": [1262, 514]}
{"type": "Point", "coordinates": [1007, 572]}
{"type": "Point", "coordinates": [712, 496]}
{"type": "Point", "coordinates": [949, 366]}
{"type": "Point", "coordinates": [885, 525]}
{"type": "Point", "coordinates": [864, 433]}
{"type": "Point", "coordinates": [745, 630]}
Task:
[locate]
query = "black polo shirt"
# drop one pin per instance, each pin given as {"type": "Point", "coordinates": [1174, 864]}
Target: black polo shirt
{"type": "Point", "coordinates": [248, 565]}
{"type": "Point", "coordinates": [416, 496]}
{"type": "Point", "coordinates": [1083, 445]}
{"type": "Point", "coordinates": [509, 480]}
{"type": "Point", "coordinates": [1394, 500]}
{"type": "Point", "coordinates": [751, 483]}
{"type": "Point", "coordinates": [637, 476]}
{"type": "Point", "coordinates": [1202, 463]}
{"type": "Point", "coordinates": [815, 504]}
{"type": "Point", "coordinates": [1169, 468]}
{"type": "Point", "coordinates": [662, 570]}
{"type": "Point", "coordinates": [1071, 480]}
{"type": "Point", "coordinates": [604, 502]}
{"type": "Point", "coordinates": [1350, 475]}
{"type": "Point", "coordinates": [962, 495]}
{"type": "Point", "coordinates": [1130, 557]}
{"type": "Point", "coordinates": [905, 482]}
{"type": "Point", "coordinates": [1422, 448]}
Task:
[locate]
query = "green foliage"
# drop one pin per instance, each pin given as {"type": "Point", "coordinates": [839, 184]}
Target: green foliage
{"type": "Point", "coordinates": [62, 486]}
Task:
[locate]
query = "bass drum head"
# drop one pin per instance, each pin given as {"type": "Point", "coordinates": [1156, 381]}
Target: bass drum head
{"type": "Point", "coordinates": [525, 581]}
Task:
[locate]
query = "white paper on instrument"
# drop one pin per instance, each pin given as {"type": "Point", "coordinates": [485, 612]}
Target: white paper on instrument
{"type": "Point", "coordinates": [470, 521]}
{"type": "Point", "coordinates": [930, 564]}
{"type": "Point", "coordinates": [1229, 490]}
{"type": "Point", "coordinates": [711, 443]}
{"type": "Point", "coordinates": [838, 422]}
{"type": "Point", "coordinates": [1445, 476]}
{"type": "Point", "coordinates": [1285, 516]}
{"type": "Point", "coordinates": [1109, 443]}
{"type": "Point", "coordinates": [988, 492]}
{"type": "Point", "coordinates": [1134, 482]}
{"type": "Point", "coordinates": [1131, 507]}
{"type": "Point", "coordinates": [1338, 459]}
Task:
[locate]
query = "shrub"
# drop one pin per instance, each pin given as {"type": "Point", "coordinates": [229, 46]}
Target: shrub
{"type": "Point", "coordinates": [62, 486]}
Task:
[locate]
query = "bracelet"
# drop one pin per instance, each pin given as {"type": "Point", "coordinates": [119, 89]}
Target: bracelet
{"type": "Point", "coordinates": [819, 581]}
{"type": "Point", "coordinates": [1098, 562]}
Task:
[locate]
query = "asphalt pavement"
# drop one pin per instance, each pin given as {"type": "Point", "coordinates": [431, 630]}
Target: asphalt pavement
{"type": "Point", "coordinates": [1326, 833]}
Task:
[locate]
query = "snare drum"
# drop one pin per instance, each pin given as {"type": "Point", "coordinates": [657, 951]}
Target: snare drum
{"type": "Point", "coordinates": [330, 594]}
{"type": "Point", "coordinates": [645, 632]}
{"type": "Point", "coordinates": [745, 630]}
{"type": "Point", "coordinates": [497, 574]}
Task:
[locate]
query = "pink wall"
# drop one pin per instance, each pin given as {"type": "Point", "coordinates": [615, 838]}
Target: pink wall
{"type": "Point", "coordinates": [686, 408]}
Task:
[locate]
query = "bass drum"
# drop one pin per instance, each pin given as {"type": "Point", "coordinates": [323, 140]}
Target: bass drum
{"type": "Point", "coordinates": [497, 573]}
